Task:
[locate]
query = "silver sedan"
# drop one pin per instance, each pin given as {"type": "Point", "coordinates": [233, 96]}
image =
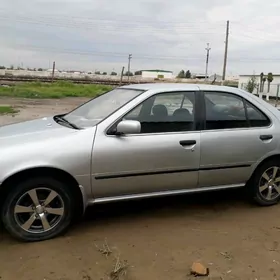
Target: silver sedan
{"type": "Point", "coordinates": [135, 142]}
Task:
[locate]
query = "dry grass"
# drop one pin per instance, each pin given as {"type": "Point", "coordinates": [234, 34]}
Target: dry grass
{"type": "Point", "coordinates": [105, 249]}
{"type": "Point", "coordinates": [120, 269]}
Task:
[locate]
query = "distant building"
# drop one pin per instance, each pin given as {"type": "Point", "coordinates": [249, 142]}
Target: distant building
{"type": "Point", "coordinates": [50, 70]}
{"type": "Point", "coordinates": [232, 78]}
{"type": "Point", "coordinates": [216, 77]}
{"type": "Point", "coordinates": [160, 74]}
{"type": "Point", "coordinates": [199, 76]}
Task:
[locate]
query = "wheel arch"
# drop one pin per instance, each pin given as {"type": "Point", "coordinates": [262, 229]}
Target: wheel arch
{"type": "Point", "coordinates": [53, 172]}
{"type": "Point", "coordinates": [263, 161]}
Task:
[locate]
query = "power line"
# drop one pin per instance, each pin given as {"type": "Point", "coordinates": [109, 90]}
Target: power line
{"type": "Point", "coordinates": [100, 53]}
{"type": "Point", "coordinates": [254, 28]}
{"type": "Point", "coordinates": [85, 24]}
{"type": "Point", "coordinates": [141, 56]}
{"type": "Point", "coordinates": [256, 38]}
{"type": "Point", "coordinates": [134, 19]}
{"type": "Point", "coordinates": [196, 30]}
{"type": "Point", "coordinates": [117, 29]}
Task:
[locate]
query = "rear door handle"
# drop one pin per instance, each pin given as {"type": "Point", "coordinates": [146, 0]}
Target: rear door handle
{"type": "Point", "coordinates": [266, 137]}
{"type": "Point", "coordinates": [187, 142]}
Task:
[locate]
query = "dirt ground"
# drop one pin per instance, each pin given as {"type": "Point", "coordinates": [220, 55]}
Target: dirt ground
{"type": "Point", "coordinates": [159, 238]}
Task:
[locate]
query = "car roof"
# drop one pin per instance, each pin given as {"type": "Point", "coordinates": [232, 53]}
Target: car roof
{"type": "Point", "coordinates": [177, 86]}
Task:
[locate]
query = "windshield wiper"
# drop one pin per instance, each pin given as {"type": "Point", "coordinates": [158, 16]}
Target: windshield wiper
{"type": "Point", "coordinates": [61, 119]}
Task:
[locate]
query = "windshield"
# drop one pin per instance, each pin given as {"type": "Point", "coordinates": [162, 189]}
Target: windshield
{"type": "Point", "coordinates": [97, 109]}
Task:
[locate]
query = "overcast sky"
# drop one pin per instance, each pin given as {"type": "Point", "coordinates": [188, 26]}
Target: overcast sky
{"type": "Point", "coordinates": [172, 35]}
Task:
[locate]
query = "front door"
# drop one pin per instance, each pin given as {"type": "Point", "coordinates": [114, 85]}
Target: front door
{"type": "Point", "coordinates": [163, 157]}
{"type": "Point", "coordinates": [236, 136]}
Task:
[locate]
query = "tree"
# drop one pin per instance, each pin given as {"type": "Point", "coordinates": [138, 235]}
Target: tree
{"type": "Point", "coordinates": [114, 73]}
{"type": "Point", "coordinates": [2, 67]}
{"type": "Point", "coordinates": [269, 80]}
{"type": "Point", "coordinates": [128, 74]}
{"type": "Point", "coordinates": [188, 74]}
{"type": "Point", "coordinates": [261, 82]}
{"type": "Point", "coordinates": [104, 73]}
{"type": "Point", "coordinates": [97, 72]}
{"type": "Point", "coordinates": [181, 74]}
{"type": "Point", "coordinates": [251, 84]}
{"type": "Point", "coordinates": [40, 69]}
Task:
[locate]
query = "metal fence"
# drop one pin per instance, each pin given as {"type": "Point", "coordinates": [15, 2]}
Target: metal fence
{"type": "Point", "coordinates": [272, 96]}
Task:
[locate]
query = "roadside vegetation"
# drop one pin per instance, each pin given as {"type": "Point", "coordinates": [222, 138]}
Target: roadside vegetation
{"type": "Point", "coordinates": [59, 89]}
{"type": "Point", "coordinates": [4, 110]}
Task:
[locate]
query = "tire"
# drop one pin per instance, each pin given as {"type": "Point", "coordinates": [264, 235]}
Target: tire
{"type": "Point", "coordinates": [47, 221]}
{"type": "Point", "coordinates": [264, 184]}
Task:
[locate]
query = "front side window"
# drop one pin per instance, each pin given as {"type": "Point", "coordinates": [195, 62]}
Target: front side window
{"type": "Point", "coordinates": [165, 112]}
{"type": "Point", "coordinates": [224, 111]}
{"type": "Point", "coordinates": [99, 108]}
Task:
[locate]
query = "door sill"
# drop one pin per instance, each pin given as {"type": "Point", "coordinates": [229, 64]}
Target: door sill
{"type": "Point", "coordinates": [163, 193]}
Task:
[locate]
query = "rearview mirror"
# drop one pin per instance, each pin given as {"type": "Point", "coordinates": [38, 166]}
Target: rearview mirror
{"type": "Point", "coordinates": [128, 127]}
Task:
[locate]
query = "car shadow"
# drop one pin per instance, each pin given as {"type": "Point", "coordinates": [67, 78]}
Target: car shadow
{"type": "Point", "coordinates": [199, 204]}
{"type": "Point", "coordinates": [176, 206]}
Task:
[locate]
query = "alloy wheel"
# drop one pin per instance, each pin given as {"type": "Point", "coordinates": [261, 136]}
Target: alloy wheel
{"type": "Point", "coordinates": [39, 210]}
{"type": "Point", "coordinates": [269, 184]}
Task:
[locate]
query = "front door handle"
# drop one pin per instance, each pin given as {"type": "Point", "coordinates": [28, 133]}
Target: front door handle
{"type": "Point", "coordinates": [187, 142]}
{"type": "Point", "coordinates": [266, 137]}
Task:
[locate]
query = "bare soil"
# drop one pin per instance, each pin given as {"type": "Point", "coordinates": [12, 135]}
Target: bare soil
{"type": "Point", "coordinates": [159, 238]}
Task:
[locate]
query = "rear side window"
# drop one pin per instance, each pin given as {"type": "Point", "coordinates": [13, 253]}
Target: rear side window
{"type": "Point", "coordinates": [256, 117]}
{"type": "Point", "coordinates": [226, 111]}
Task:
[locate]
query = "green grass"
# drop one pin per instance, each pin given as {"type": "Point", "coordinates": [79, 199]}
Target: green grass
{"type": "Point", "coordinates": [7, 110]}
{"type": "Point", "coordinates": [59, 89]}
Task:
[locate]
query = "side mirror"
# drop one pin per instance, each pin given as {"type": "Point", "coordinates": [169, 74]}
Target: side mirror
{"type": "Point", "coordinates": [128, 127]}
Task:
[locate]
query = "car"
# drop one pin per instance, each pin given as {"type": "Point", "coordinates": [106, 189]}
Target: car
{"type": "Point", "coordinates": [135, 142]}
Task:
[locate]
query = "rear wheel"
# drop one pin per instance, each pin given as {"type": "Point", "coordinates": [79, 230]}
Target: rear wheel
{"type": "Point", "coordinates": [265, 184]}
{"type": "Point", "coordinates": [37, 209]}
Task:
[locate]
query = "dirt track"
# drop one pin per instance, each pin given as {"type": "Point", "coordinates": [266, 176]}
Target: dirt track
{"type": "Point", "coordinates": [160, 238]}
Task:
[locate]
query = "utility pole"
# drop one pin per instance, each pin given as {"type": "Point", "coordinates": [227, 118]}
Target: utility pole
{"type": "Point", "coordinates": [207, 60]}
{"type": "Point", "coordinates": [129, 58]}
{"type": "Point", "coordinates": [121, 76]}
{"type": "Point", "coordinates": [53, 70]}
{"type": "Point", "coordinates": [226, 51]}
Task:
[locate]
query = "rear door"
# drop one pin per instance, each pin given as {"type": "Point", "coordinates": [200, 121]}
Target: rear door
{"type": "Point", "coordinates": [236, 135]}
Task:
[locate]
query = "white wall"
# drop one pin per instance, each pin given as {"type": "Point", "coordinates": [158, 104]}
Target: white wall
{"type": "Point", "coordinates": [149, 74]}
{"type": "Point", "coordinates": [145, 74]}
{"type": "Point", "coordinates": [27, 73]}
{"type": "Point", "coordinates": [243, 80]}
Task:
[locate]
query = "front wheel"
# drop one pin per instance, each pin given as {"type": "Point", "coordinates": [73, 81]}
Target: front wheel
{"type": "Point", "coordinates": [37, 209]}
{"type": "Point", "coordinates": [265, 184]}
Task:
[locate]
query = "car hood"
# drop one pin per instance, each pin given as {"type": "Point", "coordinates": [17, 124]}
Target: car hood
{"type": "Point", "coordinates": [32, 131]}
{"type": "Point", "coordinates": [27, 127]}
{"type": "Point", "coordinates": [44, 143]}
